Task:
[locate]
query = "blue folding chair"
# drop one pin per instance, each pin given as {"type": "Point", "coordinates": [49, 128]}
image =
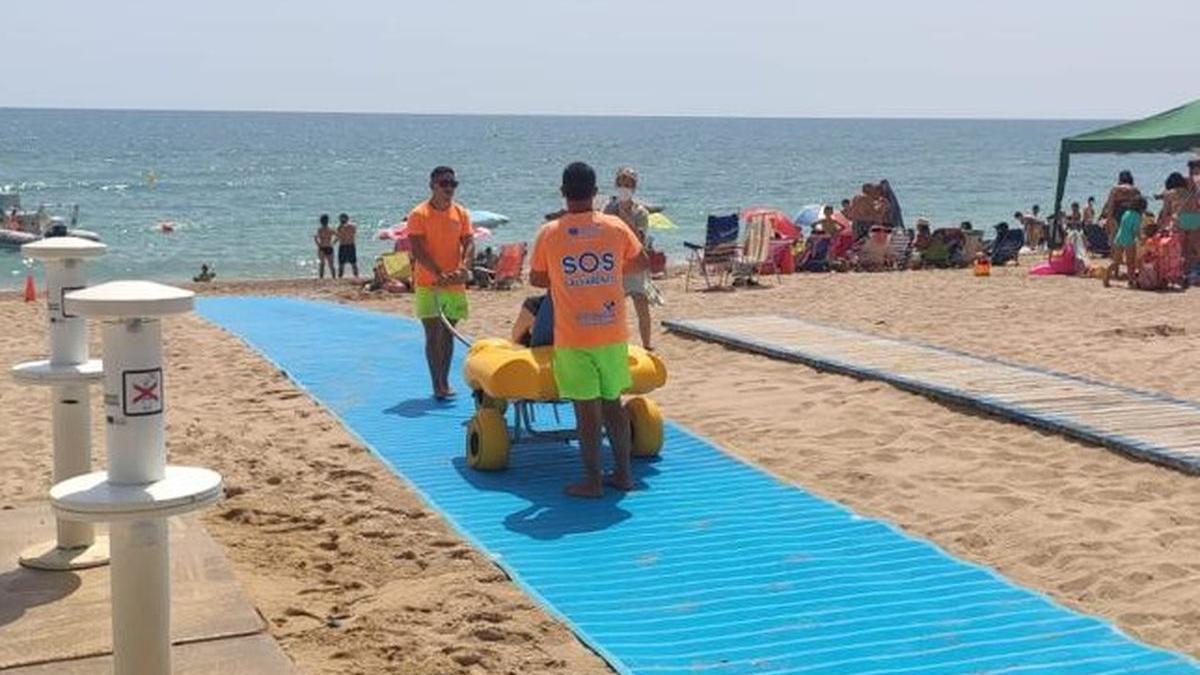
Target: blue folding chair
{"type": "Point", "coordinates": [1008, 248]}
{"type": "Point", "coordinates": [1097, 240]}
{"type": "Point", "coordinates": [715, 259]}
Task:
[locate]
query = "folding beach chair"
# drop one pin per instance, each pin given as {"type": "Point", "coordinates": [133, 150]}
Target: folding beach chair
{"type": "Point", "coordinates": [508, 267]}
{"type": "Point", "coordinates": [1008, 248]}
{"type": "Point", "coordinates": [1097, 240]}
{"type": "Point", "coordinates": [777, 262]}
{"type": "Point", "coordinates": [396, 272]}
{"type": "Point", "coordinates": [715, 258]}
{"type": "Point", "coordinates": [899, 248]}
{"type": "Point", "coordinates": [398, 266]}
{"type": "Point", "coordinates": [754, 251]}
{"type": "Point", "coordinates": [815, 257]}
{"type": "Point", "coordinates": [972, 247]}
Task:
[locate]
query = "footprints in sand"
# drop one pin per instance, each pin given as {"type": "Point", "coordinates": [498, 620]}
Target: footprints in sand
{"type": "Point", "coordinates": [1143, 332]}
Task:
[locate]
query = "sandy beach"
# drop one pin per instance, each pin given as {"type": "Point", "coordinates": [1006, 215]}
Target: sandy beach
{"type": "Point", "coordinates": [356, 575]}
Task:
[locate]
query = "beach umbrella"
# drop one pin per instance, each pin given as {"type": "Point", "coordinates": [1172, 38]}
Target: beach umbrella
{"type": "Point", "coordinates": [808, 215]}
{"type": "Point", "coordinates": [393, 233]}
{"type": "Point", "coordinates": [659, 221]}
{"type": "Point", "coordinates": [487, 218]}
{"type": "Point", "coordinates": [780, 223]}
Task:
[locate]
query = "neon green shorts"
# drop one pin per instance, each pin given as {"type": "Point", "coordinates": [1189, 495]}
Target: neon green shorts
{"type": "Point", "coordinates": [428, 304]}
{"type": "Point", "coordinates": [585, 374]}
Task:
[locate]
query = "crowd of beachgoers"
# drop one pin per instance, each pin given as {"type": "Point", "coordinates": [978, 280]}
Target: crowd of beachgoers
{"type": "Point", "coordinates": [1122, 238]}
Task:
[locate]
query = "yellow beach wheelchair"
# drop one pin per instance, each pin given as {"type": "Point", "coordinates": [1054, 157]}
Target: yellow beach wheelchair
{"type": "Point", "coordinates": [506, 377]}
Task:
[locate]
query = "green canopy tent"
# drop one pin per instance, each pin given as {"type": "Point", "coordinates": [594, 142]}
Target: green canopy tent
{"type": "Point", "coordinates": [1176, 130]}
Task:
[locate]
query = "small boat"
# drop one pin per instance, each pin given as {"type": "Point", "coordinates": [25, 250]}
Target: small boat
{"type": "Point", "coordinates": [16, 239]}
{"type": "Point", "coordinates": [19, 227]}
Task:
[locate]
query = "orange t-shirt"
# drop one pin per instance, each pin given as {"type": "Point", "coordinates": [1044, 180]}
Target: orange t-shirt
{"type": "Point", "coordinates": [585, 256]}
{"type": "Point", "coordinates": [443, 232]}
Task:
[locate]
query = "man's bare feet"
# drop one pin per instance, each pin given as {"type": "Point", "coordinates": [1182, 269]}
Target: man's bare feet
{"type": "Point", "coordinates": [623, 482]}
{"type": "Point", "coordinates": [588, 488]}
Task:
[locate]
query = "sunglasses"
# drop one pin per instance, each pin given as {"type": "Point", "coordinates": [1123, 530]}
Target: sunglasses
{"type": "Point", "coordinates": [447, 183]}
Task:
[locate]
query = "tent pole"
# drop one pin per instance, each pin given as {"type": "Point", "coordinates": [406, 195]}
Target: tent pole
{"type": "Point", "coordinates": [1064, 165]}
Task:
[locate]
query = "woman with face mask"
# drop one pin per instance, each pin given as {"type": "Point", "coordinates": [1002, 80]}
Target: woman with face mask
{"type": "Point", "coordinates": [637, 218]}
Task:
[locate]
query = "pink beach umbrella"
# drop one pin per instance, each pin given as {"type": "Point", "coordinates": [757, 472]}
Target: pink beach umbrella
{"type": "Point", "coordinates": [780, 223]}
{"type": "Point", "coordinates": [393, 233]}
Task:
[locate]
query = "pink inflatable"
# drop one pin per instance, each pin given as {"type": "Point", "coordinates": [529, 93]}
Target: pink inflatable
{"type": "Point", "coordinates": [1063, 263]}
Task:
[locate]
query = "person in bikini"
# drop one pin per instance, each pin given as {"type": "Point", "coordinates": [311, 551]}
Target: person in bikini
{"type": "Point", "coordinates": [1123, 194]}
{"type": "Point", "coordinates": [582, 257]}
{"type": "Point", "coordinates": [324, 241]}
{"type": "Point", "coordinates": [1185, 214]}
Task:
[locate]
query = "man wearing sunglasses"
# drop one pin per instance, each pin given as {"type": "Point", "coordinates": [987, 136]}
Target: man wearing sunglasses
{"type": "Point", "coordinates": [442, 250]}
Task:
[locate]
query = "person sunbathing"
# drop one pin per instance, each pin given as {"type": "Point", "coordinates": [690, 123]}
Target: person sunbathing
{"type": "Point", "coordinates": [873, 253]}
{"type": "Point", "coordinates": [815, 255]}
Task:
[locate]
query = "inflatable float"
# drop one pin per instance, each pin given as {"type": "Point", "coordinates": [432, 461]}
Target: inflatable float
{"type": "Point", "coordinates": [499, 372]}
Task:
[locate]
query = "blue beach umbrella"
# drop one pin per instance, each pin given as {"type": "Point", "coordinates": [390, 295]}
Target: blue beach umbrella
{"type": "Point", "coordinates": [808, 215]}
{"type": "Point", "coordinates": [487, 218]}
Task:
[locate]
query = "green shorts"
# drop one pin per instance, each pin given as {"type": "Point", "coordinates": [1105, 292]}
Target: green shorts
{"type": "Point", "coordinates": [588, 373]}
{"type": "Point", "coordinates": [428, 303]}
{"type": "Point", "coordinates": [1189, 221]}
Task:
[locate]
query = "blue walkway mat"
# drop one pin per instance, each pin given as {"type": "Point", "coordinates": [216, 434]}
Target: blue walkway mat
{"type": "Point", "coordinates": [713, 567]}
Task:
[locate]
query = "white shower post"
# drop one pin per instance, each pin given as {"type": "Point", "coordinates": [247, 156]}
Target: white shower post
{"type": "Point", "coordinates": [67, 372]}
{"type": "Point", "coordinates": [139, 490]}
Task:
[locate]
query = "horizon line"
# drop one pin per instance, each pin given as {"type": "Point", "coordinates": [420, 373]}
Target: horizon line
{"type": "Point", "coordinates": [270, 111]}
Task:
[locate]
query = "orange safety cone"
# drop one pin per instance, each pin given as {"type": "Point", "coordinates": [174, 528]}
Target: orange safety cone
{"type": "Point", "coordinates": [30, 288]}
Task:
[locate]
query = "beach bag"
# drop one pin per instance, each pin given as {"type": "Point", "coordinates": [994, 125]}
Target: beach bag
{"type": "Point", "coordinates": [1170, 258]}
{"type": "Point", "coordinates": [787, 261]}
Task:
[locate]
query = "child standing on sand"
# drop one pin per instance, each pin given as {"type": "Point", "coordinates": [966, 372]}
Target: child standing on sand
{"type": "Point", "coordinates": [582, 257]}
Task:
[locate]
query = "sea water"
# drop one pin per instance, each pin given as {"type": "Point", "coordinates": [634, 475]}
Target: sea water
{"type": "Point", "coordinates": [244, 189]}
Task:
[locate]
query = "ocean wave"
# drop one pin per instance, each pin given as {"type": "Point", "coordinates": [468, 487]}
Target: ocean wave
{"type": "Point", "coordinates": [119, 187]}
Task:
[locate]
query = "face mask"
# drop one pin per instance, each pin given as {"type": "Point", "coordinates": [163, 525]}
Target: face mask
{"type": "Point", "coordinates": [624, 195]}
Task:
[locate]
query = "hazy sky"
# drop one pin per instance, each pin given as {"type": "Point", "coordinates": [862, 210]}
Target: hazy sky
{"type": "Point", "coordinates": [1005, 58]}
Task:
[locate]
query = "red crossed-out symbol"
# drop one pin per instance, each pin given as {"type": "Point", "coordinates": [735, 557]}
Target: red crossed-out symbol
{"type": "Point", "coordinates": [147, 393]}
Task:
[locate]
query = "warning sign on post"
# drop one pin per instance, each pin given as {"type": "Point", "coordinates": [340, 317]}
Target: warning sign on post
{"type": "Point", "coordinates": [143, 393]}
